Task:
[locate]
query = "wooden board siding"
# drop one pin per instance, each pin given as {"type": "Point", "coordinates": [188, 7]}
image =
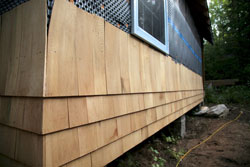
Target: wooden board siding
{"type": "Point", "coordinates": [102, 59]}
{"type": "Point", "coordinates": [49, 115]}
{"type": "Point", "coordinates": [88, 93]}
{"type": "Point", "coordinates": [79, 46]}
{"type": "Point", "coordinates": [96, 138]}
{"type": "Point", "coordinates": [22, 113]}
{"type": "Point", "coordinates": [22, 49]}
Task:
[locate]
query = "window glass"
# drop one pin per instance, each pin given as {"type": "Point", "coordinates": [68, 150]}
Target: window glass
{"type": "Point", "coordinates": [151, 18]}
{"type": "Point", "coordinates": [149, 22]}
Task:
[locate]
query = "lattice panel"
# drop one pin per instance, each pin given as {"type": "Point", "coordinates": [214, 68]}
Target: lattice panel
{"type": "Point", "coordinates": [116, 12]}
{"type": "Point", "coordinates": [50, 4]}
{"type": "Point", "coordinates": [7, 5]}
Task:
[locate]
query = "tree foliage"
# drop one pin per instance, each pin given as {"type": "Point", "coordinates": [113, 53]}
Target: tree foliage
{"type": "Point", "coordinates": [229, 57]}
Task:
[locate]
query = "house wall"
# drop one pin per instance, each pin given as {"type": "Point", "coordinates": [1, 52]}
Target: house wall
{"type": "Point", "coordinates": [183, 6]}
{"type": "Point", "coordinates": [104, 91]}
{"type": "Point", "coordinates": [23, 36]}
{"type": "Point", "coordinates": [184, 46]}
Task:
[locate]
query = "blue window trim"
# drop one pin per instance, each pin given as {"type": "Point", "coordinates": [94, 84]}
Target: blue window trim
{"type": "Point", "coordinates": [142, 34]}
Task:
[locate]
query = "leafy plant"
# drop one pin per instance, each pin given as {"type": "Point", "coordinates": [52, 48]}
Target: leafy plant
{"type": "Point", "coordinates": [170, 139]}
{"type": "Point", "coordinates": [158, 160]}
{"type": "Point", "coordinates": [175, 154]}
{"type": "Point", "coordinates": [228, 95]}
{"type": "Point", "coordinates": [228, 57]}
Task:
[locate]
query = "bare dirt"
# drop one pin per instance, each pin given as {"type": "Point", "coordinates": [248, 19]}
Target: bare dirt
{"type": "Point", "coordinates": [228, 148]}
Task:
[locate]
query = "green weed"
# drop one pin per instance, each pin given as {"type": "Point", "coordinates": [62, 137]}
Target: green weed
{"type": "Point", "coordinates": [158, 160]}
{"type": "Point", "coordinates": [175, 154]}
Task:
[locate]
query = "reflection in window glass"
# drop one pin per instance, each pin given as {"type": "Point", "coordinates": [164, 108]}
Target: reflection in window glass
{"type": "Point", "coordinates": [151, 18]}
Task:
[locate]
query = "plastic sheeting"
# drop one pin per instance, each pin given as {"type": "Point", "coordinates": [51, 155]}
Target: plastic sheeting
{"type": "Point", "coordinates": [183, 46]}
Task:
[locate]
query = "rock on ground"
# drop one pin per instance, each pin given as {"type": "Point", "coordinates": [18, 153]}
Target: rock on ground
{"type": "Point", "coordinates": [216, 111]}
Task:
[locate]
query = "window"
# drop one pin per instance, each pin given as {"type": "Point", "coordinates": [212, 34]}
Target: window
{"type": "Point", "coordinates": [149, 22]}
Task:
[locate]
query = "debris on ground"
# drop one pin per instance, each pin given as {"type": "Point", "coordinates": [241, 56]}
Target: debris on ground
{"type": "Point", "coordinates": [203, 110]}
{"type": "Point", "coordinates": [216, 111]}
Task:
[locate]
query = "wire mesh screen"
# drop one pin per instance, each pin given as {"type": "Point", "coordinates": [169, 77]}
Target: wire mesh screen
{"type": "Point", "coordinates": [183, 46]}
{"type": "Point", "coordinates": [50, 4]}
{"type": "Point", "coordinates": [7, 5]}
{"type": "Point", "coordinates": [116, 12]}
{"type": "Point", "coordinates": [151, 18]}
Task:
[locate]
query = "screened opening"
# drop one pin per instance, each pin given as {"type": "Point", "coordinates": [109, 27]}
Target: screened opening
{"type": "Point", "coordinates": [151, 18]}
{"type": "Point", "coordinates": [149, 22]}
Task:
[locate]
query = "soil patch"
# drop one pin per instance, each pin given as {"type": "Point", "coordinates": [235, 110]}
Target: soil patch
{"type": "Point", "coordinates": [230, 147]}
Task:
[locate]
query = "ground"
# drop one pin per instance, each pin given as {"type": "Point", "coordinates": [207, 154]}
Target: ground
{"type": "Point", "coordinates": [228, 148]}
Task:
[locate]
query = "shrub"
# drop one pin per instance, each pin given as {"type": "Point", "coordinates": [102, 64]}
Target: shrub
{"type": "Point", "coordinates": [228, 95]}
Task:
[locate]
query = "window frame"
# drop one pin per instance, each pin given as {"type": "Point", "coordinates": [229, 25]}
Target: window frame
{"type": "Point", "coordinates": [145, 36]}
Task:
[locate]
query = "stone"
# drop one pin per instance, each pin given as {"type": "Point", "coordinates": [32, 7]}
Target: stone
{"type": "Point", "coordinates": [203, 110]}
{"type": "Point", "coordinates": [216, 111]}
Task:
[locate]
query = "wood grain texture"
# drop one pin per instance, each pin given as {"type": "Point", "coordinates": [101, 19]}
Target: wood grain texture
{"type": "Point", "coordinates": [88, 138]}
{"type": "Point", "coordinates": [49, 115]}
{"type": "Point", "coordinates": [95, 60]}
{"type": "Point", "coordinates": [78, 112]}
{"type": "Point", "coordinates": [106, 154]}
{"type": "Point", "coordinates": [151, 115]}
{"type": "Point", "coordinates": [104, 140]}
{"type": "Point", "coordinates": [23, 113]}
{"type": "Point", "coordinates": [101, 59]}
{"type": "Point", "coordinates": [101, 90]}
{"type": "Point", "coordinates": [61, 147]}
{"type": "Point", "coordinates": [29, 148]}
{"type": "Point", "coordinates": [11, 111]}
{"type": "Point", "coordinates": [33, 114]}
{"type": "Point", "coordinates": [124, 125]}
{"type": "Point", "coordinates": [5, 161]}
{"type": "Point", "coordinates": [89, 45]}
{"type": "Point", "coordinates": [85, 110]}
{"type": "Point", "coordinates": [81, 162]}
{"type": "Point", "coordinates": [108, 131]}
{"type": "Point", "coordinates": [113, 45]}
{"type": "Point", "coordinates": [55, 115]}
{"type": "Point", "coordinates": [7, 141]}
{"type": "Point", "coordinates": [61, 51]}
{"type": "Point", "coordinates": [78, 47]}
{"type": "Point", "coordinates": [134, 64]}
{"type": "Point", "coordinates": [129, 141]}
{"type": "Point", "coordinates": [138, 120]}
{"type": "Point", "coordinates": [120, 105]}
{"type": "Point", "coordinates": [124, 62]}
{"type": "Point", "coordinates": [22, 49]}
{"type": "Point", "coordinates": [99, 136]}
